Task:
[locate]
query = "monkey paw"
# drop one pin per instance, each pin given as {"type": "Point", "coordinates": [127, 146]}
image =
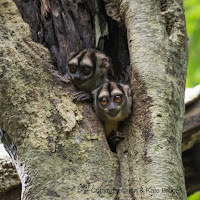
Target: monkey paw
{"type": "Point", "coordinates": [115, 137]}
{"type": "Point", "coordinates": [82, 96]}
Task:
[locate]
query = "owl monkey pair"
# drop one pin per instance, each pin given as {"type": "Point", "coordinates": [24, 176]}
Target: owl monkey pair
{"type": "Point", "coordinates": [92, 72]}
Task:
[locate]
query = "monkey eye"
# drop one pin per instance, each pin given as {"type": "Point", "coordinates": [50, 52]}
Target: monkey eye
{"type": "Point", "coordinates": [86, 70]}
{"type": "Point", "coordinates": [118, 98]}
{"type": "Point", "coordinates": [72, 68]}
{"type": "Point", "coordinates": [103, 101]}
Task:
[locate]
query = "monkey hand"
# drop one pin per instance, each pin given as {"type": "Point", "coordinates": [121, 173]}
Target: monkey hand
{"type": "Point", "coordinates": [115, 137]}
{"type": "Point", "coordinates": [82, 96]}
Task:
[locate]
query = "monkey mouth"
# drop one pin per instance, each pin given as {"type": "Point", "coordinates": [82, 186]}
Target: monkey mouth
{"type": "Point", "coordinates": [79, 82]}
{"type": "Point", "coordinates": [113, 113]}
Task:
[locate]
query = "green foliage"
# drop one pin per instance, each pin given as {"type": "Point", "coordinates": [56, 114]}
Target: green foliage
{"type": "Point", "coordinates": [195, 196]}
{"type": "Point", "coordinates": [192, 13]}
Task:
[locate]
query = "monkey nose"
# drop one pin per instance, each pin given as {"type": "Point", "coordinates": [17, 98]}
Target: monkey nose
{"type": "Point", "coordinates": [78, 81]}
{"type": "Point", "coordinates": [113, 112]}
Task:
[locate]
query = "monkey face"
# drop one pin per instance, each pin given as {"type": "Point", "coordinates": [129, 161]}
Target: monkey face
{"type": "Point", "coordinates": [111, 104]}
{"type": "Point", "coordinates": [88, 68]}
{"type": "Point", "coordinates": [111, 101]}
{"type": "Point", "coordinates": [81, 68]}
{"type": "Point", "coordinates": [80, 74]}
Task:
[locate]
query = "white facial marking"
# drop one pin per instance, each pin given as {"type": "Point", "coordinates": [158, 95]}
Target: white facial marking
{"type": "Point", "coordinates": [86, 61]}
{"type": "Point", "coordinates": [103, 94]}
{"type": "Point", "coordinates": [116, 92]}
{"type": "Point", "coordinates": [73, 61]}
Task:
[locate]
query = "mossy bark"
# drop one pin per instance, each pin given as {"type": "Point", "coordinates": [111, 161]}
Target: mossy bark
{"type": "Point", "coordinates": [58, 147]}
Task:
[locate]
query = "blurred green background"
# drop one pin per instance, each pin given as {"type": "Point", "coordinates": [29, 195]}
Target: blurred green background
{"type": "Point", "coordinates": [195, 196]}
{"type": "Point", "coordinates": [192, 14]}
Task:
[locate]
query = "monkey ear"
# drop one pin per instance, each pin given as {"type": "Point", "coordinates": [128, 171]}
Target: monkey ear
{"type": "Point", "coordinates": [106, 62]}
{"type": "Point", "coordinates": [107, 66]}
{"type": "Point", "coordinates": [127, 89]}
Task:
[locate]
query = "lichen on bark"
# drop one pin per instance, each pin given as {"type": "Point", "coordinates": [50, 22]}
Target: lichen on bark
{"type": "Point", "coordinates": [58, 147]}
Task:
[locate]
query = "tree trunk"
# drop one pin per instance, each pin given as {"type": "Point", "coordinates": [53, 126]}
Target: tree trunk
{"type": "Point", "coordinates": [150, 156]}
{"type": "Point", "coordinates": [58, 147]}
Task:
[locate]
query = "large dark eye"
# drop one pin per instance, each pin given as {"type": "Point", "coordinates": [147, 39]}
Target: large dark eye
{"type": "Point", "coordinates": [86, 70]}
{"type": "Point", "coordinates": [72, 68]}
{"type": "Point", "coordinates": [118, 99]}
{"type": "Point", "coordinates": [103, 101]}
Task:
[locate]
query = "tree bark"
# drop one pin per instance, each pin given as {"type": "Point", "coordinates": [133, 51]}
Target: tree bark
{"type": "Point", "coordinates": [58, 147]}
{"type": "Point", "coordinates": [150, 155]}
{"type": "Point", "coordinates": [10, 186]}
{"type": "Point", "coordinates": [190, 149]}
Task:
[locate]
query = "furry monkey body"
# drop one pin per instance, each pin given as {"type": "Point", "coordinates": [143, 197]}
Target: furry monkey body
{"type": "Point", "coordinates": [91, 71]}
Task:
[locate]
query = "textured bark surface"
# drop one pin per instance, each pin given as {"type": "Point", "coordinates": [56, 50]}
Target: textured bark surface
{"type": "Point", "coordinates": [10, 186]}
{"type": "Point", "coordinates": [58, 147]}
{"type": "Point", "coordinates": [63, 27]}
{"type": "Point", "coordinates": [66, 26]}
{"type": "Point", "coordinates": [190, 148]}
{"type": "Point", "coordinates": [150, 155]}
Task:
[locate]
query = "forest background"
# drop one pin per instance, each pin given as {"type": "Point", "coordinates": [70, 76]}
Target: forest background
{"type": "Point", "coordinates": [192, 14]}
